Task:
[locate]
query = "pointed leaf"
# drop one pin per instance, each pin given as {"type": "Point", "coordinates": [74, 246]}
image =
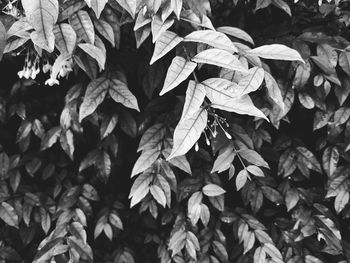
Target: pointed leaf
{"type": "Point", "coordinates": [8, 214]}
{"type": "Point", "coordinates": [276, 51]}
{"type": "Point", "coordinates": [42, 15]}
{"type": "Point", "coordinates": [158, 195]}
{"type": "Point", "coordinates": [146, 159]}
{"type": "Point", "coordinates": [120, 93]}
{"type": "Point", "coordinates": [212, 38]}
{"type": "Point", "coordinates": [251, 81]}
{"type": "Point", "coordinates": [82, 24]}
{"type": "Point", "coordinates": [213, 190]}
{"type": "Point", "coordinates": [187, 132]}
{"type": "Point", "coordinates": [95, 53]}
{"type": "Point", "coordinates": [165, 43]}
{"type": "Point", "coordinates": [195, 95]}
{"type": "Point", "coordinates": [65, 38]}
{"type": "Point", "coordinates": [236, 32]}
{"type": "Point", "coordinates": [220, 58]}
{"type": "Point", "coordinates": [97, 6]}
{"type": "Point", "coordinates": [106, 30]}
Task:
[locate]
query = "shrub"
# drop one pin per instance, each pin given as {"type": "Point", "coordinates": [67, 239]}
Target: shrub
{"type": "Point", "coordinates": [174, 131]}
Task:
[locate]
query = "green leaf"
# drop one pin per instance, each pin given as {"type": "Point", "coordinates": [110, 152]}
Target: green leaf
{"type": "Point", "coordinates": [236, 32]}
{"type": "Point", "coordinates": [152, 137]}
{"type": "Point", "coordinates": [95, 53]}
{"type": "Point", "coordinates": [291, 198]}
{"type": "Point", "coordinates": [165, 43]}
{"type": "Point", "coordinates": [84, 250]}
{"type": "Point", "coordinates": [4, 164]}
{"type": "Point", "coordinates": [94, 95]}
{"type": "Point", "coordinates": [2, 39]}
{"type": "Point", "coordinates": [251, 81]}
{"type": "Point", "coordinates": [220, 58]}
{"type": "Point", "coordinates": [241, 179]}
{"type": "Point", "coordinates": [50, 138]}
{"type": "Point", "coordinates": [146, 159]}
{"type": "Point", "coordinates": [260, 4]}
{"type": "Point", "coordinates": [255, 170]}
{"type": "Point", "coordinates": [158, 195]}
{"type": "Point", "coordinates": [330, 160]}
{"type": "Point", "coordinates": [212, 38]}
{"type": "Point", "coordinates": [187, 132]}
{"type": "Point", "coordinates": [120, 93]}
{"type": "Point", "coordinates": [195, 95]}
{"type": "Point", "coordinates": [259, 255]}
{"type": "Point", "coordinates": [243, 106]}
{"type": "Point", "coordinates": [97, 6]}
{"type": "Point", "coordinates": [253, 157]}
{"type": "Point", "coordinates": [212, 190]}
{"type": "Point", "coordinates": [42, 15]}
{"type": "Point", "coordinates": [276, 51]}
{"type": "Point", "coordinates": [8, 214]}
{"type": "Point", "coordinates": [178, 71]}
{"type": "Point", "coordinates": [82, 24]}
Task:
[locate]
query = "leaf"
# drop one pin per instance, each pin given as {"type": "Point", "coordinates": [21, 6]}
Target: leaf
{"type": "Point", "coordinates": [220, 58]}
{"type": "Point", "coordinates": [4, 164]}
{"type": "Point", "coordinates": [94, 95]}
{"type": "Point", "coordinates": [178, 71]}
{"type": "Point", "coordinates": [243, 106]}
{"type": "Point", "coordinates": [50, 138]}
{"type": "Point", "coordinates": [311, 160]}
{"type": "Point", "coordinates": [236, 32]}
{"type": "Point", "coordinates": [213, 190]}
{"type": "Point", "coordinates": [120, 93]}
{"type": "Point", "coordinates": [251, 81]}
{"type": "Point", "coordinates": [82, 24]}
{"type": "Point", "coordinates": [8, 214]}
{"type": "Point", "coordinates": [341, 116]}
{"type": "Point", "coordinates": [241, 179]}
{"type": "Point", "coordinates": [195, 95]}
{"type": "Point", "coordinates": [158, 195]}
{"type": "Point", "coordinates": [282, 5]}
{"type": "Point", "coordinates": [69, 7]}
{"type": "Point", "coordinates": [146, 159]}
{"type": "Point", "coordinates": [2, 39]}
{"type": "Point", "coordinates": [129, 6]}
{"type": "Point", "coordinates": [344, 62]}
{"type": "Point", "coordinates": [291, 198]}
{"type": "Point", "coordinates": [248, 241]}
{"type": "Point", "coordinates": [42, 15]}
{"type": "Point", "coordinates": [260, 4]}
{"type": "Point", "coordinates": [65, 38]}
{"type": "Point", "coordinates": [221, 91]}
{"type": "Point", "coordinates": [224, 159]}
{"type": "Point", "coordinates": [165, 43]}
{"type": "Point", "coordinates": [152, 137]}
{"type": "Point", "coordinates": [212, 38]}
{"type": "Point", "coordinates": [273, 252]}
{"type": "Point", "coordinates": [105, 30]}
{"type": "Point", "coordinates": [341, 201]}
{"type": "Point", "coordinates": [159, 27]}
{"type": "Point", "coordinates": [95, 53]}
{"type": "Point", "coordinates": [330, 160]}
{"type": "Point", "coordinates": [276, 51]}
{"type": "Point", "coordinates": [255, 170]}
{"type": "Point", "coordinates": [259, 255]}
{"type": "Point", "coordinates": [253, 157]}
{"type": "Point", "coordinates": [187, 132]}
{"type": "Point", "coordinates": [97, 6]}
{"type": "Point", "coordinates": [306, 100]}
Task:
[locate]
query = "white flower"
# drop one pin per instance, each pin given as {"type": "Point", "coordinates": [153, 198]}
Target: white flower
{"type": "Point", "coordinates": [47, 67]}
{"type": "Point", "coordinates": [20, 73]}
{"type": "Point", "coordinates": [52, 81]}
{"type": "Point", "coordinates": [27, 73]}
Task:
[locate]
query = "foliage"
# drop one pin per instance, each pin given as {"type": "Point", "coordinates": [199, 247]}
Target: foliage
{"type": "Point", "coordinates": [175, 131]}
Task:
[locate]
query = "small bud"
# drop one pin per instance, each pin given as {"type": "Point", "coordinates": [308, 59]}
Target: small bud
{"type": "Point", "coordinates": [196, 147]}
{"type": "Point", "coordinates": [228, 135]}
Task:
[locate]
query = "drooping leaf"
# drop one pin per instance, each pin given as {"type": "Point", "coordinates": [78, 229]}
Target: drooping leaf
{"type": "Point", "coordinates": [158, 195]}
{"type": "Point", "coordinates": [120, 93]}
{"type": "Point", "coordinates": [146, 159]}
{"type": "Point", "coordinates": [195, 95]}
{"type": "Point", "coordinates": [187, 132]}
{"type": "Point", "coordinates": [212, 38]}
{"type": "Point", "coordinates": [236, 32]}
{"type": "Point", "coordinates": [276, 51]}
{"type": "Point", "coordinates": [178, 71]}
{"type": "Point", "coordinates": [221, 91]}
{"type": "Point", "coordinates": [330, 160]}
{"type": "Point", "coordinates": [105, 29]}
{"type": "Point", "coordinates": [95, 53]}
{"type": "Point", "coordinates": [42, 15]}
{"type": "Point", "coordinates": [129, 6]}
{"type": "Point", "coordinates": [220, 58]}
{"type": "Point", "coordinates": [82, 24]}
{"type": "Point", "coordinates": [8, 214]}
{"type": "Point", "coordinates": [251, 81]}
{"type": "Point", "coordinates": [65, 38]}
{"type": "Point", "coordinates": [159, 27]}
{"type": "Point", "coordinates": [97, 6]}
{"type": "Point", "coordinates": [94, 95]}
{"type": "Point", "coordinates": [241, 179]}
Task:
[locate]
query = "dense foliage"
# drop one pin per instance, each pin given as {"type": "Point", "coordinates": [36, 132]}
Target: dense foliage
{"type": "Point", "coordinates": [174, 131]}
